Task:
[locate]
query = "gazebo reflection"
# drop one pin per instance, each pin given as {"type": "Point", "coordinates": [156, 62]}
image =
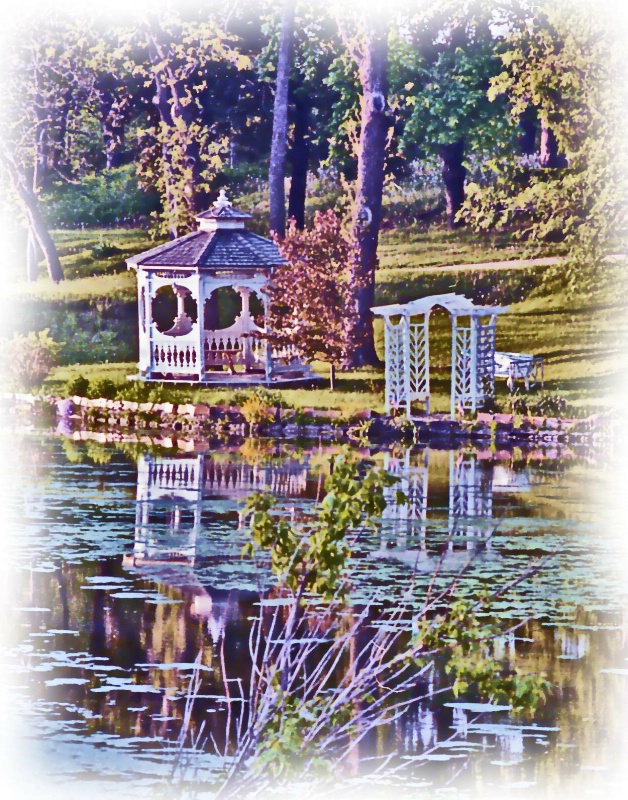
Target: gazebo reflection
{"type": "Point", "coordinates": [173, 492]}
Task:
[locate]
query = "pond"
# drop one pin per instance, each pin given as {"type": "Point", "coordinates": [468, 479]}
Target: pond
{"type": "Point", "coordinates": [123, 569]}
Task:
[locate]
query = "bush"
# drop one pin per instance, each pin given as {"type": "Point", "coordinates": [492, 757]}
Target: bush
{"type": "Point", "coordinates": [544, 404]}
{"type": "Point", "coordinates": [77, 386]}
{"type": "Point", "coordinates": [256, 411]}
{"type": "Point", "coordinates": [29, 359]}
{"type": "Point", "coordinates": [266, 396]}
{"type": "Point", "coordinates": [105, 248]}
{"type": "Point", "coordinates": [92, 335]}
{"type": "Point", "coordinates": [103, 387]}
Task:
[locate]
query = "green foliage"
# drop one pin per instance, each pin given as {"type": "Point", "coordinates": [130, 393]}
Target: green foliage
{"type": "Point", "coordinates": [280, 749]}
{"type": "Point", "coordinates": [104, 388]}
{"type": "Point", "coordinates": [446, 78]}
{"type": "Point", "coordinates": [77, 386]}
{"type": "Point", "coordinates": [256, 411]}
{"type": "Point", "coordinates": [543, 404]}
{"type": "Point", "coordinates": [89, 333]}
{"type": "Point", "coordinates": [564, 63]}
{"type": "Point", "coordinates": [28, 359]}
{"type": "Point", "coordinates": [459, 642]}
{"type": "Point", "coordinates": [140, 392]}
{"type": "Point", "coordinates": [108, 197]}
{"type": "Point", "coordinates": [312, 557]}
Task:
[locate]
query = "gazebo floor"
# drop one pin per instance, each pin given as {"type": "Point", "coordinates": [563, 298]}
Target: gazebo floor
{"type": "Point", "coordinates": [242, 379]}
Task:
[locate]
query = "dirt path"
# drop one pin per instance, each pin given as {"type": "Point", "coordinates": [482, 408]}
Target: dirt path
{"type": "Point", "coordinates": [518, 263]}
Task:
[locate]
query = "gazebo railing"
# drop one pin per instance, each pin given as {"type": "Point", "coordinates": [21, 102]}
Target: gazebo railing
{"type": "Point", "coordinates": [178, 358]}
{"type": "Point", "coordinates": [220, 349]}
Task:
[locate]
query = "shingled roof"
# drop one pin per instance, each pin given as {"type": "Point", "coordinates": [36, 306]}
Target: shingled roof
{"type": "Point", "coordinates": [221, 241]}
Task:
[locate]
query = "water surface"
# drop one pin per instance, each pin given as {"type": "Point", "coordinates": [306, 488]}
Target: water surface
{"type": "Point", "coordinates": [122, 566]}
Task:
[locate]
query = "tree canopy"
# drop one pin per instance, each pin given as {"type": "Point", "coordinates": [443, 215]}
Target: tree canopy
{"type": "Point", "coordinates": [182, 100]}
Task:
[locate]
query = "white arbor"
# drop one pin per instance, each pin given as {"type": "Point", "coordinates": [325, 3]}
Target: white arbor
{"type": "Point", "coordinates": [406, 331]}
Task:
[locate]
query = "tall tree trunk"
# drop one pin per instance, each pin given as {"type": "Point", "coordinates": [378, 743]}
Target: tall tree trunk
{"type": "Point", "coordinates": [30, 206]}
{"type": "Point", "coordinates": [551, 157]}
{"type": "Point", "coordinates": [279, 146]}
{"type": "Point", "coordinates": [367, 212]}
{"type": "Point", "coordinates": [527, 126]}
{"type": "Point", "coordinates": [454, 174]}
{"type": "Point", "coordinates": [32, 269]}
{"type": "Point", "coordinates": [300, 157]}
{"type": "Point", "coordinates": [112, 110]}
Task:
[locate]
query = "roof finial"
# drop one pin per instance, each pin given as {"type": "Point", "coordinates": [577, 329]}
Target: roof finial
{"type": "Point", "coordinates": [222, 201]}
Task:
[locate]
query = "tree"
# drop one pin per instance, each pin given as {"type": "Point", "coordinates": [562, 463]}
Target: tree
{"type": "Point", "coordinates": [311, 299]}
{"type": "Point", "coordinates": [565, 63]}
{"type": "Point", "coordinates": [447, 58]}
{"type": "Point", "coordinates": [45, 84]}
{"type": "Point", "coordinates": [279, 146]}
{"type": "Point", "coordinates": [368, 46]}
{"type": "Point", "coordinates": [183, 148]}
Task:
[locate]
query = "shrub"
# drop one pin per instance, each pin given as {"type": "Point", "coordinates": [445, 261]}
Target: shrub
{"type": "Point", "coordinates": [28, 359]}
{"type": "Point", "coordinates": [105, 248]}
{"type": "Point", "coordinates": [544, 404]}
{"type": "Point", "coordinates": [77, 386]}
{"type": "Point", "coordinates": [134, 391]}
{"type": "Point", "coordinates": [256, 411]}
{"type": "Point", "coordinates": [103, 387]}
{"type": "Point", "coordinates": [90, 335]}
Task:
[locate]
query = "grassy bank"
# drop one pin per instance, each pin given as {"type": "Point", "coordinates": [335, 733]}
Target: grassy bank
{"type": "Point", "coordinates": [582, 339]}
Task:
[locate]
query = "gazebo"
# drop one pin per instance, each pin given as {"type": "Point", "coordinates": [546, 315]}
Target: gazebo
{"type": "Point", "coordinates": [191, 274]}
{"type": "Point", "coordinates": [407, 354]}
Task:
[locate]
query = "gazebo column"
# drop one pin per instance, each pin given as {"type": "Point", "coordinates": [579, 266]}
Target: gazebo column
{"type": "Point", "coordinates": [268, 351]}
{"type": "Point", "coordinates": [144, 304]}
{"type": "Point", "coordinates": [245, 316]}
{"type": "Point", "coordinates": [200, 325]}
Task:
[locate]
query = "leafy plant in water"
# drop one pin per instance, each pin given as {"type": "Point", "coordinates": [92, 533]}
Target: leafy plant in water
{"type": "Point", "coordinates": [325, 673]}
{"type": "Point", "coordinates": [458, 642]}
{"type": "Point", "coordinates": [312, 556]}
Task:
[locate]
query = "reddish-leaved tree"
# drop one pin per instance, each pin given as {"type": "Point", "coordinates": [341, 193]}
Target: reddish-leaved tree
{"type": "Point", "coordinates": [310, 299]}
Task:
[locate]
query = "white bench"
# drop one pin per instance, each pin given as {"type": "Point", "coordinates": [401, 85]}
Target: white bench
{"type": "Point", "coordinates": [519, 366]}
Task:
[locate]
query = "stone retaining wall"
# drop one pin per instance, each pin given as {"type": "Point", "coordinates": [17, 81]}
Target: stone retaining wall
{"type": "Point", "coordinates": [365, 426]}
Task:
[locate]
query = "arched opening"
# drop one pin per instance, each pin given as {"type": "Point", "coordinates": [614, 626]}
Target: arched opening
{"type": "Point", "coordinates": [256, 306]}
{"type": "Point", "coordinates": [174, 310]}
{"type": "Point", "coordinates": [221, 309]}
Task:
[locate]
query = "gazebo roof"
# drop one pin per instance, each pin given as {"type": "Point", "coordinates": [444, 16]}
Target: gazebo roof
{"type": "Point", "coordinates": [457, 304]}
{"type": "Point", "coordinates": [221, 242]}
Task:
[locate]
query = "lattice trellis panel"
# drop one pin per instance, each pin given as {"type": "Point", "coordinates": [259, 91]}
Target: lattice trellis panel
{"type": "Point", "coordinates": [395, 348]}
{"type": "Point", "coordinates": [418, 358]}
{"type": "Point", "coordinates": [463, 388]}
{"type": "Point", "coordinates": [485, 359]}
